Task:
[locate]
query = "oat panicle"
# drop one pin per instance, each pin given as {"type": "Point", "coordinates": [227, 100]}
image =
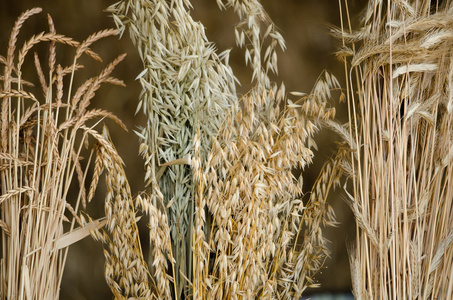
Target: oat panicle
{"type": "Point", "coordinates": [219, 167]}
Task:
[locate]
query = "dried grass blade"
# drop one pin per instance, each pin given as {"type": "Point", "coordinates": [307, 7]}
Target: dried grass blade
{"type": "Point", "coordinates": [80, 233]}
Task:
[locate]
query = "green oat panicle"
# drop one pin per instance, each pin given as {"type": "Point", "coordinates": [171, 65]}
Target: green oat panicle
{"type": "Point", "coordinates": [185, 85]}
{"type": "Point", "coordinates": [249, 35]}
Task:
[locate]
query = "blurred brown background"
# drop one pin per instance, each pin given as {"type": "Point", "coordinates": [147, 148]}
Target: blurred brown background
{"type": "Point", "coordinates": [310, 50]}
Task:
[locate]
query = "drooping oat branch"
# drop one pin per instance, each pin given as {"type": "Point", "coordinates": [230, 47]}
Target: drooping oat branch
{"type": "Point", "coordinates": [126, 270]}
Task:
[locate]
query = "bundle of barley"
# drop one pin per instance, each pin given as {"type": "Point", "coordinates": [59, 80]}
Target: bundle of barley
{"type": "Point", "coordinates": [400, 100]}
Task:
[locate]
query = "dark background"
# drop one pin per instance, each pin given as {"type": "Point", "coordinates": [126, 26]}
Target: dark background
{"type": "Point", "coordinates": [310, 50]}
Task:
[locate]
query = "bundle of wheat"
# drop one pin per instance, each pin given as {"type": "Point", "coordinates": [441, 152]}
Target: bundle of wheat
{"type": "Point", "coordinates": [42, 142]}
